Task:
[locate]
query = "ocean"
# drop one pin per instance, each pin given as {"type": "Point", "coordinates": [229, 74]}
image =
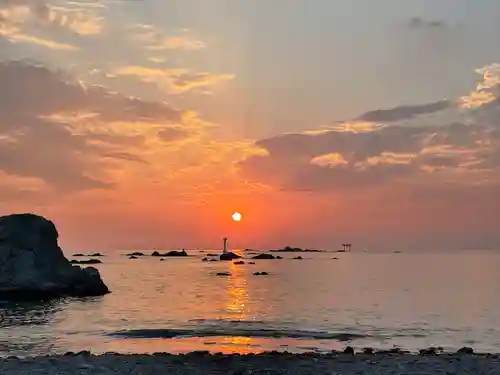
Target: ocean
{"type": "Point", "coordinates": [318, 303]}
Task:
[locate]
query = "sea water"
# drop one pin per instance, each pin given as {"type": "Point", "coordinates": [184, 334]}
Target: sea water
{"type": "Point", "coordinates": [318, 303]}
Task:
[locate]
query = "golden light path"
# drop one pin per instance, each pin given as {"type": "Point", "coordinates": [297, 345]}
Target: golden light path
{"type": "Point", "coordinates": [237, 309]}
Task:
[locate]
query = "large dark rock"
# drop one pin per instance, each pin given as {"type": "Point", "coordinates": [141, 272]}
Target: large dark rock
{"type": "Point", "coordinates": [264, 256]}
{"type": "Point", "coordinates": [33, 266]}
{"type": "Point", "coordinates": [172, 253]}
{"type": "Point", "coordinates": [229, 256]}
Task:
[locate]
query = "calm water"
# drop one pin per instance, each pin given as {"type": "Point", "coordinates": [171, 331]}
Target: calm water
{"type": "Point", "coordinates": [379, 300]}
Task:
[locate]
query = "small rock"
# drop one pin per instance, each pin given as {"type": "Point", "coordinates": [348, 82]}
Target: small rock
{"type": "Point", "coordinates": [428, 351]}
{"type": "Point", "coordinates": [465, 350]}
{"type": "Point", "coordinates": [223, 274]}
{"type": "Point", "coordinates": [264, 256]}
{"type": "Point", "coordinates": [368, 350]}
{"type": "Point", "coordinates": [229, 256]}
{"type": "Point", "coordinates": [396, 351]}
{"type": "Point", "coordinates": [349, 350]}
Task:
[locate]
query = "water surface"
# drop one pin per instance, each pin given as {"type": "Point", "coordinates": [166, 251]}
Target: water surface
{"type": "Point", "coordinates": [318, 303]}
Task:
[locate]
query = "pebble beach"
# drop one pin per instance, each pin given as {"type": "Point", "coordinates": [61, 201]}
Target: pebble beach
{"type": "Point", "coordinates": [200, 363]}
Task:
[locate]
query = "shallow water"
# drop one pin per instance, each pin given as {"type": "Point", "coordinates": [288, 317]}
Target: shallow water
{"type": "Point", "coordinates": [318, 303]}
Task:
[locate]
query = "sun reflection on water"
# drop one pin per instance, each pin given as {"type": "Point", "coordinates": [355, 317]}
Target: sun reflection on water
{"type": "Point", "coordinates": [237, 308]}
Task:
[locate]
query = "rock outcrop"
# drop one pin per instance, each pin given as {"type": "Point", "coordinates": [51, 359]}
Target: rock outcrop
{"type": "Point", "coordinates": [173, 253]}
{"type": "Point", "coordinates": [33, 266]}
{"type": "Point", "coordinates": [264, 256]}
{"type": "Point", "coordinates": [229, 256]}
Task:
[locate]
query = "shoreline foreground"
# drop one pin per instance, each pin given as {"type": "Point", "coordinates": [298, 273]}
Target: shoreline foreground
{"type": "Point", "coordinates": [268, 363]}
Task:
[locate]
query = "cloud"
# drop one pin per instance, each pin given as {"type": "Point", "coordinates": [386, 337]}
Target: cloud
{"type": "Point", "coordinates": [487, 91]}
{"type": "Point", "coordinates": [78, 20]}
{"type": "Point", "coordinates": [37, 22]}
{"type": "Point", "coordinates": [70, 136]}
{"type": "Point", "coordinates": [449, 143]}
{"type": "Point", "coordinates": [152, 39]}
{"type": "Point", "coordinates": [173, 80]}
{"type": "Point", "coordinates": [403, 112]}
{"type": "Point", "coordinates": [15, 35]}
{"type": "Point", "coordinates": [173, 133]}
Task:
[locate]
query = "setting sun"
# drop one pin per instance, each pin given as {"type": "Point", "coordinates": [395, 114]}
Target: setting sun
{"type": "Point", "coordinates": [237, 216]}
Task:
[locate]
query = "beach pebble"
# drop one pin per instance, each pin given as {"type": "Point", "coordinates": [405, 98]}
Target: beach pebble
{"type": "Point", "coordinates": [465, 350]}
{"type": "Point", "coordinates": [349, 350]}
{"type": "Point", "coordinates": [269, 363]}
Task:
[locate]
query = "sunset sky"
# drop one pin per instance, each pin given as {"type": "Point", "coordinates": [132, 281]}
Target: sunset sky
{"type": "Point", "coordinates": [147, 123]}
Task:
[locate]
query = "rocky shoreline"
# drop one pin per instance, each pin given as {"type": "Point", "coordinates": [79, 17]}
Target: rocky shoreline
{"type": "Point", "coordinates": [265, 363]}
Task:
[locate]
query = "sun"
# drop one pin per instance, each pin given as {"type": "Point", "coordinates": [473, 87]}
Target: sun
{"type": "Point", "coordinates": [237, 216]}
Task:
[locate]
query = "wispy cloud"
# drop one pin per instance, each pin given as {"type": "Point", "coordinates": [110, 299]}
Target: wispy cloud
{"type": "Point", "coordinates": [173, 80]}
{"type": "Point", "coordinates": [152, 39]}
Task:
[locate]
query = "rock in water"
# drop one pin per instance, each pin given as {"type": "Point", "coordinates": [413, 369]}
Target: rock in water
{"type": "Point", "coordinates": [229, 256]}
{"type": "Point", "coordinates": [33, 266]}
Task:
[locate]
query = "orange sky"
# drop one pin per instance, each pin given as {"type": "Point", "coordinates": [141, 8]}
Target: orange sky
{"type": "Point", "coordinates": [130, 130]}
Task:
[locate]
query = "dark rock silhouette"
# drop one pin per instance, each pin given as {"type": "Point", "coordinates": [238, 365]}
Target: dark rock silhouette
{"type": "Point", "coordinates": [133, 257]}
{"type": "Point", "coordinates": [349, 350]}
{"type": "Point", "coordinates": [264, 256]}
{"type": "Point", "coordinates": [261, 274]}
{"type": "Point", "coordinates": [299, 257]}
{"type": "Point", "coordinates": [136, 254]}
{"type": "Point", "coordinates": [89, 261]}
{"type": "Point", "coordinates": [33, 266]}
{"type": "Point", "coordinates": [223, 274]}
{"type": "Point", "coordinates": [94, 255]}
{"type": "Point", "coordinates": [465, 350]}
{"type": "Point", "coordinates": [288, 249]}
{"type": "Point", "coordinates": [430, 351]}
{"type": "Point", "coordinates": [204, 260]}
{"type": "Point", "coordinates": [239, 262]}
{"type": "Point", "coordinates": [173, 253]}
{"type": "Point", "coordinates": [229, 256]}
